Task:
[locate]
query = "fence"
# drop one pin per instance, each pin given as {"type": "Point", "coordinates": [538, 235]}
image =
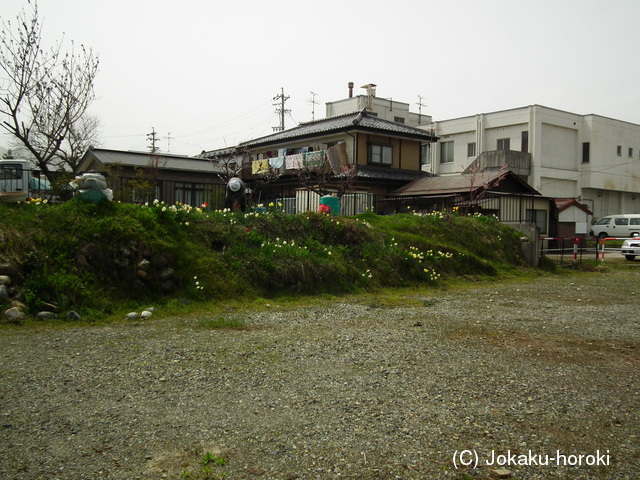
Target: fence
{"type": "Point", "coordinates": [567, 250]}
{"type": "Point", "coordinates": [308, 201]}
{"type": "Point", "coordinates": [600, 247]}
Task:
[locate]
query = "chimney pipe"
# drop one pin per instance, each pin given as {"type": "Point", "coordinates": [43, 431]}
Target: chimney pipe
{"type": "Point", "coordinates": [350, 89]}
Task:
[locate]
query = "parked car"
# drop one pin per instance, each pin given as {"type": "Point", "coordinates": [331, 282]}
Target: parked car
{"type": "Point", "coordinates": [616, 226]}
{"type": "Point", "coordinates": [631, 248]}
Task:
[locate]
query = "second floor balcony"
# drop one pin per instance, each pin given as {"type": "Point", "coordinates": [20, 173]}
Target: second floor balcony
{"type": "Point", "coordinates": [518, 162]}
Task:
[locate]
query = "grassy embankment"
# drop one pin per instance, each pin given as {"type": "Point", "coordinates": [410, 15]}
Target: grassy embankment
{"type": "Point", "coordinates": [103, 260]}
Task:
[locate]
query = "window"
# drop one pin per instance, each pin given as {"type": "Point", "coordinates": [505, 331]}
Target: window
{"type": "Point", "coordinates": [426, 154]}
{"type": "Point", "coordinates": [398, 119]}
{"type": "Point", "coordinates": [585, 152]}
{"type": "Point", "coordinates": [524, 142]}
{"type": "Point", "coordinates": [189, 193]}
{"type": "Point", "coordinates": [381, 154]}
{"type": "Point", "coordinates": [619, 150]}
{"type": "Point", "coordinates": [504, 144]}
{"type": "Point", "coordinates": [604, 221]}
{"type": "Point", "coordinates": [622, 221]}
{"type": "Point", "coordinates": [144, 193]}
{"type": "Point", "coordinates": [11, 172]}
{"type": "Point", "coordinates": [630, 152]}
{"type": "Point", "coordinates": [11, 178]}
{"type": "Point", "coordinates": [446, 152]}
{"type": "Point", "coordinates": [471, 149]}
{"type": "Point", "coordinates": [539, 217]}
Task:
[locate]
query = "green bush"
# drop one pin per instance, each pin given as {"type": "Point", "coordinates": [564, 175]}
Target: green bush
{"type": "Point", "coordinates": [96, 257]}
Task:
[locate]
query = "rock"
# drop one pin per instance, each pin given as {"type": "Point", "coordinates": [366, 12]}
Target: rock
{"type": "Point", "coordinates": [501, 473]}
{"type": "Point", "coordinates": [72, 315]}
{"type": "Point", "coordinates": [18, 304]}
{"type": "Point", "coordinates": [4, 292]}
{"type": "Point", "coordinates": [144, 249]}
{"type": "Point", "coordinates": [5, 280]}
{"type": "Point", "coordinates": [146, 314]}
{"type": "Point", "coordinates": [166, 273]}
{"type": "Point", "coordinates": [44, 315]}
{"type": "Point", "coordinates": [168, 285]}
{"type": "Point", "coordinates": [7, 269]}
{"type": "Point", "coordinates": [121, 262]}
{"type": "Point", "coordinates": [14, 314]}
{"type": "Point", "coordinates": [131, 315]}
{"type": "Point", "coordinates": [81, 261]}
{"type": "Point", "coordinates": [144, 265]}
{"type": "Point", "coordinates": [160, 261]}
{"type": "Point", "coordinates": [141, 274]}
{"type": "Point", "coordinates": [50, 307]}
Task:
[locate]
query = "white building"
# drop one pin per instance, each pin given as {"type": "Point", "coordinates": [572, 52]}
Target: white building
{"type": "Point", "coordinates": [385, 108]}
{"type": "Point", "coordinates": [590, 158]}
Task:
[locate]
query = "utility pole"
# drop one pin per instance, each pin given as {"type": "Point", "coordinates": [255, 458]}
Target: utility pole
{"type": "Point", "coordinates": [152, 137]}
{"type": "Point", "coordinates": [313, 105]}
{"type": "Point", "coordinates": [280, 110]}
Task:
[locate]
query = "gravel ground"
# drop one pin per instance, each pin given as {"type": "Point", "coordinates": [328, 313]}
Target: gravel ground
{"type": "Point", "coordinates": [365, 387]}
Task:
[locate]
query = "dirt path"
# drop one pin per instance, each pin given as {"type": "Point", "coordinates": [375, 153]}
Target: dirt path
{"type": "Point", "coordinates": [362, 388]}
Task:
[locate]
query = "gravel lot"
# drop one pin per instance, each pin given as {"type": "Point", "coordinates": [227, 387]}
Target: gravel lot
{"type": "Point", "coordinates": [357, 387]}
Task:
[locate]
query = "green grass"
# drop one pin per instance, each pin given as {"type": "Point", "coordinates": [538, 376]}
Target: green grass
{"type": "Point", "coordinates": [222, 323]}
{"type": "Point", "coordinates": [90, 258]}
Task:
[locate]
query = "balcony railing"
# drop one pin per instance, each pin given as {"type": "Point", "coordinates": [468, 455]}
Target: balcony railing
{"type": "Point", "coordinates": [518, 162]}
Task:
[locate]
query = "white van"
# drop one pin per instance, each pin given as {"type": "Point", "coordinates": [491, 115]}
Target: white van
{"type": "Point", "coordinates": [621, 226]}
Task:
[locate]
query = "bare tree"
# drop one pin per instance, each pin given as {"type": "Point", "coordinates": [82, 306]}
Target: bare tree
{"type": "Point", "coordinates": [45, 92]}
{"type": "Point", "coordinates": [480, 182]}
{"type": "Point", "coordinates": [83, 134]}
{"type": "Point", "coordinates": [320, 180]}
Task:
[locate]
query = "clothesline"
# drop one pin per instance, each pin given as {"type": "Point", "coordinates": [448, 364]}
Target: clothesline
{"type": "Point", "coordinates": [336, 157]}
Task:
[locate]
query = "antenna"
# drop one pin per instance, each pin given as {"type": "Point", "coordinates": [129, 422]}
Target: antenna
{"type": "Point", "coordinates": [281, 111]}
{"type": "Point", "coordinates": [313, 105]}
{"type": "Point", "coordinates": [420, 105]}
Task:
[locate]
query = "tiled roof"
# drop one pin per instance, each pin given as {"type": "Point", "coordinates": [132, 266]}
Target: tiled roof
{"type": "Point", "coordinates": [357, 121]}
{"type": "Point", "coordinates": [384, 173]}
{"type": "Point", "coordinates": [449, 185]}
{"type": "Point", "coordinates": [143, 159]}
{"type": "Point", "coordinates": [564, 203]}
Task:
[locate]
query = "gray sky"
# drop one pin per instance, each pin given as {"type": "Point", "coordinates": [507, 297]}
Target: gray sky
{"type": "Point", "coordinates": [206, 71]}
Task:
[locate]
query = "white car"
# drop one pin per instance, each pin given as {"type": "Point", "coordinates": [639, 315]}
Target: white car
{"type": "Point", "coordinates": [631, 248]}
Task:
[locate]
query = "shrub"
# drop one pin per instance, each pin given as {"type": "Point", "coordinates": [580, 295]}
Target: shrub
{"type": "Point", "coordinates": [84, 256]}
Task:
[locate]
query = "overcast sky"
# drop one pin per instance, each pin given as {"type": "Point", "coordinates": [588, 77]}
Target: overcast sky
{"type": "Point", "coordinates": [204, 73]}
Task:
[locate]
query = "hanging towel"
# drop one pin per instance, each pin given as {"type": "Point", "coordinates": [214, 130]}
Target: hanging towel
{"type": "Point", "coordinates": [294, 162]}
{"type": "Point", "coordinates": [314, 160]}
{"type": "Point", "coordinates": [259, 166]}
{"type": "Point", "coordinates": [337, 156]}
{"type": "Point", "coordinates": [276, 163]}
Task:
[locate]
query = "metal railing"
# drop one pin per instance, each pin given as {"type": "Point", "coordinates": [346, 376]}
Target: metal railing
{"type": "Point", "coordinates": [567, 250]}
